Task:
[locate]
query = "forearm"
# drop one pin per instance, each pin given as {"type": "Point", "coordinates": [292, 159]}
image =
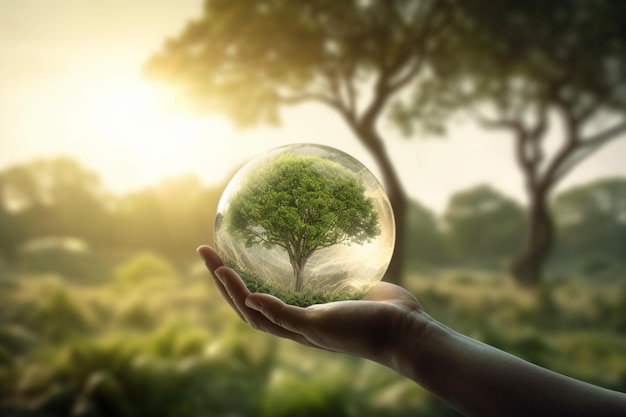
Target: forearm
{"type": "Point", "coordinates": [479, 380]}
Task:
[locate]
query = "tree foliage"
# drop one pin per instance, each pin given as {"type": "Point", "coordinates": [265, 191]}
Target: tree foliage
{"type": "Point", "coordinates": [248, 59]}
{"type": "Point", "coordinates": [425, 241]}
{"type": "Point", "coordinates": [515, 66]}
{"type": "Point", "coordinates": [60, 197]}
{"type": "Point", "coordinates": [301, 204]}
{"type": "Point", "coordinates": [591, 219]}
{"type": "Point", "coordinates": [483, 225]}
{"type": "Point", "coordinates": [56, 196]}
{"type": "Point", "coordinates": [534, 69]}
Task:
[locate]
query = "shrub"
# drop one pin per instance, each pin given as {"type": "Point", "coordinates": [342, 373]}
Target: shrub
{"type": "Point", "coordinates": [67, 257]}
{"type": "Point", "coordinates": [143, 268]}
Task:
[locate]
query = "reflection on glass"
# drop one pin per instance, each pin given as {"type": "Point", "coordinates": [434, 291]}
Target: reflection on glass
{"type": "Point", "coordinates": [306, 223]}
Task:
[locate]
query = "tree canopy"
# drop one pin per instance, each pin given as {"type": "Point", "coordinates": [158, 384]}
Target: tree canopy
{"type": "Point", "coordinates": [536, 70]}
{"type": "Point", "coordinates": [522, 67]}
{"type": "Point", "coordinates": [591, 218]}
{"type": "Point", "coordinates": [482, 224]}
{"type": "Point", "coordinates": [301, 204]}
{"type": "Point", "coordinates": [248, 59]}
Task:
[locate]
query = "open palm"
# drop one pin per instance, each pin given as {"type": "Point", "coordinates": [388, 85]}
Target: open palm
{"type": "Point", "coordinates": [365, 328]}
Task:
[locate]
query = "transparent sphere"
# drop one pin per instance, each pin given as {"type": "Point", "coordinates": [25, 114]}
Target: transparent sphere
{"type": "Point", "coordinates": [306, 223]}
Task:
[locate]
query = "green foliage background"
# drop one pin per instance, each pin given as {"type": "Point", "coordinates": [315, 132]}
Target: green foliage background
{"type": "Point", "coordinates": [125, 321]}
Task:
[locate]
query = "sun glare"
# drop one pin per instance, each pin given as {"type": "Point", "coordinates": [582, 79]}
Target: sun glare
{"type": "Point", "coordinates": [132, 118]}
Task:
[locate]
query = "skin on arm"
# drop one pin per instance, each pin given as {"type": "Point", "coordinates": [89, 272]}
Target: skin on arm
{"type": "Point", "coordinates": [390, 326]}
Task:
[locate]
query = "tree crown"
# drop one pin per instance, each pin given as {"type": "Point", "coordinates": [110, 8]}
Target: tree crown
{"type": "Point", "coordinates": [302, 204]}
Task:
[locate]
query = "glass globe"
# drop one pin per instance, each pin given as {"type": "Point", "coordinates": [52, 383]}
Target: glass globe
{"type": "Point", "coordinates": [306, 223]}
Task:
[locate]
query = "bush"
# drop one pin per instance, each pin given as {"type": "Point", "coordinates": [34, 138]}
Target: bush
{"type": "Point", "coordinates": [144, 268]}
{"type": "Point", "coordinates": [67, 257]}
{"type": "Point", "coordinates": [56, 313]}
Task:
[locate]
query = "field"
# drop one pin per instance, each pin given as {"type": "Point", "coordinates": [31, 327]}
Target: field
{"type": "Point", "coordinates": [146, 337]}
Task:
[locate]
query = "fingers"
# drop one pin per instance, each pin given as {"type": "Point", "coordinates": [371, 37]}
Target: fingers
{"type": "Point", "coordinates": [211, 259]}
{"type": "Point", "coordinates": [237, 292]}
{"type": "Point", "coordinates": [213, 262]}
{"type": "Point", "coordinates": [286, 316]}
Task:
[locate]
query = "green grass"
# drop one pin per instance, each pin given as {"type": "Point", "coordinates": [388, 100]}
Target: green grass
{"type": "Point", "coordinates": [304, 298]}
{"type": "Point", "coordinates": [170, 346]}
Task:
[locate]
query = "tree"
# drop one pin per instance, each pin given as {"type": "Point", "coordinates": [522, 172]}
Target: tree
{"type": "Point", "coordinates": [425, 242]}
{"type": "Point", "coordinates": [483, 225]}
{"type": "Point", "coordinates": [56, 196]}
{"type": "Point", "coordinates": [591, 219]}
{"type": "Point", "coordinates": [250, 58]}
{"type": "Point", "coordinates": [168, 217]}
{"type": "Point", "coordinates": [536, 69]}
{"type": "Point", "coordinates": [301, 204]}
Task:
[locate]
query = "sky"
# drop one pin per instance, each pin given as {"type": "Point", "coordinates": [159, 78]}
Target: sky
{"type": "Point", "coordinates": [71, 84]}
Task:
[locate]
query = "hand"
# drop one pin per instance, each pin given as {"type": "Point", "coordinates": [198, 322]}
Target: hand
{"type": "Point", "coordinates": [370, 328]}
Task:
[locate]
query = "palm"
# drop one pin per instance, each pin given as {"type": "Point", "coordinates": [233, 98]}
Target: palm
{"type": "Point", "coordinates": [364, 327]}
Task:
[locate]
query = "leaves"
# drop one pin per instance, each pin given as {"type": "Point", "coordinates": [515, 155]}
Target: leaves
{"type": "Point", "coordinates": [302, 204]}
{"type": "Point", "coordinates": [246, 58]}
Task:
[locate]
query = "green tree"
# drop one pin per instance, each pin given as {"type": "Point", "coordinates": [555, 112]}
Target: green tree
{"type": "Point", "coordinates": [536, 70]}
{"type": "Point", "coordinates": [425, 242]}
{"type": "Point", "coordinates": [168, 217]}
{"type": "Point", "coordinates": [301, 204]}
{"type": "Point", "coordinates": [591, 219]}
{"type": "Point", "coordinates": [483, 225]}
{"type": "Point", "coordinates": [56, 196]}
{"type": "Point", "coordinates": [248, 59]}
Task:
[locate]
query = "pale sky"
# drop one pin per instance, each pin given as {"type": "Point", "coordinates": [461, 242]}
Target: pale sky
{"type": "Point", "coordinates": [70, 82]}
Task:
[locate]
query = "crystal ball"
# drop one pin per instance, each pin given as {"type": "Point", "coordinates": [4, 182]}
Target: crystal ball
{"type": "Point", "coordinates": [306, 223]}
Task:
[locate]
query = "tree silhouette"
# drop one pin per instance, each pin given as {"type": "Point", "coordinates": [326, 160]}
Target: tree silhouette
{"type": "Point", "coordinates": [301, 204]}
{"type": "Point", "coordinates": [536, 69]}
{"type": "Point", "coordinates": [483, 225]}
{"type": "Point", "coordinates": [591, 219]}
{"type": "Point", "coordinates": [55, 196]}
{"type": "Point", "coordinates": [249, 58]}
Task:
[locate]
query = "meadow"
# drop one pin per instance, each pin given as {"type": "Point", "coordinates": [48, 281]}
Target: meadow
{"type": "Point", "coordinates": [148, 337]}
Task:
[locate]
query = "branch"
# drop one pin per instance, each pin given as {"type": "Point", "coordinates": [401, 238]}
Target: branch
{"type": "Point", "coordinates": [585, 113]}
{"type": "Point", "coordinates": [529, 155]}
{"type": "Point", "coordinates": [407, 63]}
{"type": "Point", "coordinates": [432, 25]}
{"type": "Point", "coordinates": [408, 76]}
{"type": "Point", "coordinates": [601, 138]}
{"type": "Point", "coordinates": [497, 123]}
{"type": "Point", "coordinates": [348, 78]}
{"type": "Point", "coordinates": [589, 146]}
{"type": "Point", "coordinates": [582, 149]}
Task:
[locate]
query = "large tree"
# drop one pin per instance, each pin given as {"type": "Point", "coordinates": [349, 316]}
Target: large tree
{"type": "Point", "coordinates": [483, 225]}
{"type": "Point", "coordinates": [249, 58]}
{"type": "Point", "coordinates": [301, 204]}
{"type": "Point", "coordinates": [542, 71]}
{"type": "Point", "coordinates": [55, 196]}
{"type": "Point", "coordinates": [591, 219]}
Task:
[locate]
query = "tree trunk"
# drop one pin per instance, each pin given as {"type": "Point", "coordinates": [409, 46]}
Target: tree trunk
{"type": "Point", "coordinates": [527, 268]}
{"type": "Point", "coordinates": [298, 273]}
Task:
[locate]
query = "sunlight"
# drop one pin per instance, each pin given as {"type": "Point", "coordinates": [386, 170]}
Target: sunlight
{"type": "Point", "coordinates": [134, 119]}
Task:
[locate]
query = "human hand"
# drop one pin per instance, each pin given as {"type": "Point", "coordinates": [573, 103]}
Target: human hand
{"type": "Point", "coordinates": [369, 328]}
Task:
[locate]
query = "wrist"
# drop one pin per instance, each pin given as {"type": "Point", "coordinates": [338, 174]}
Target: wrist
{"type": "Point", "coordinates": [417, 334]}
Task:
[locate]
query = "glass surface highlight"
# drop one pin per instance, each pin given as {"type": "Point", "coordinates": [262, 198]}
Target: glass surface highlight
{"type": "Point", "coordinates": [306, 223]}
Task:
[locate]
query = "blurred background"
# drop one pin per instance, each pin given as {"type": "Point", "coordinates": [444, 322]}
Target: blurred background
{"type": "Point", "coordinates": [494, 126]}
